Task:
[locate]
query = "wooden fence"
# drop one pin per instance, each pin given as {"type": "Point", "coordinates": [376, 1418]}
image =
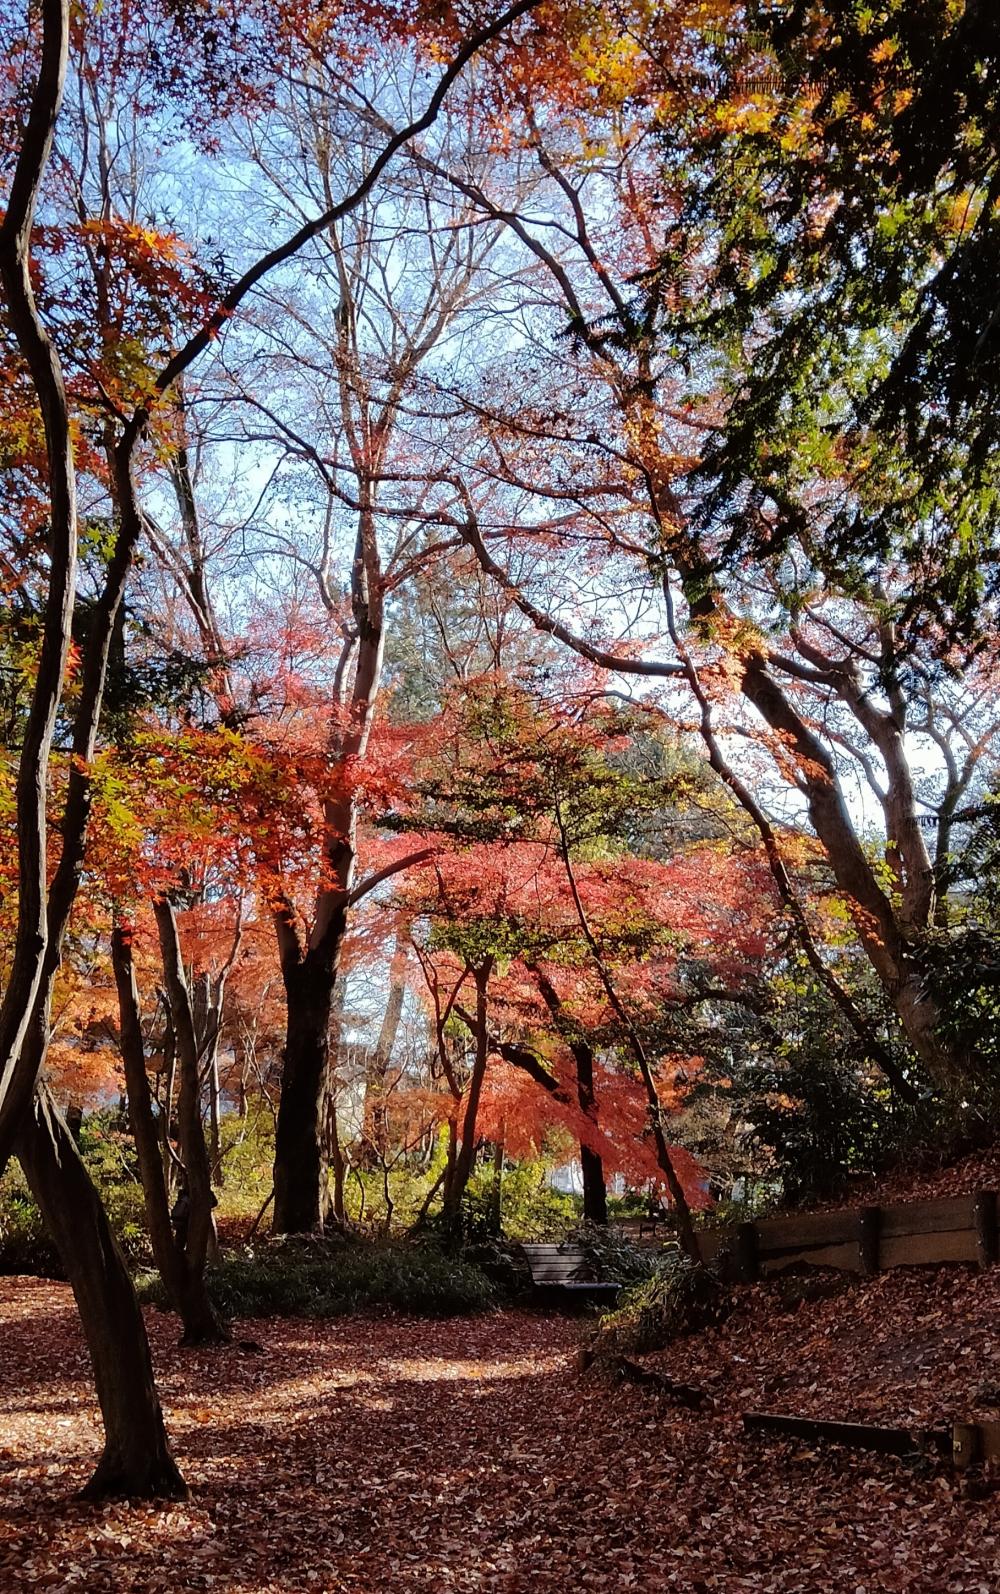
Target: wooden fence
{"type": "Point", "coordinates": [862, 1239]}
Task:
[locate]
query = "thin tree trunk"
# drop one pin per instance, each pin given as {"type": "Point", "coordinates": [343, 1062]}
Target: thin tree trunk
{"type": "Point", "coordinates": [336, 1161]}
{"type": "Point", "coordinates": [685, 1223]}
{"type": "Point", "coordinates": [461, 1172]}
{"type": "Point", "coordinates": [496, 1195]}
{"type": "Point", "coordinates": [332, 1167]}
{"type": "Point", "coordinates": [186, 1286]}
{"type": "Point", "coordinates": [595, 1193]}
{"type": "Point", "coordinates": [194, 1152]}
{"type": "Point", "coordinates": [376, 1117]}
{"type": "Point", "coordinates": [215, 1139]}
{"type": "Point", "coordinates": [136, 1461]}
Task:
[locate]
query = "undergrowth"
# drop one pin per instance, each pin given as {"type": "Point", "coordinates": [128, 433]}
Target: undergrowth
{"type": "Point", "coordinates": [337, 1280]}
{"type": "Point", "coordinates": [679, 1298]}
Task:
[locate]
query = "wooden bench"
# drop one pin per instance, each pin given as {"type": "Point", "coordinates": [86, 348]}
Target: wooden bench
{"type": "Point", "coordinates": [565, 1270]}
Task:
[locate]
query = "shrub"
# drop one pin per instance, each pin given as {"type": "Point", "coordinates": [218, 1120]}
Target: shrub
{"type": "Point", "coordinates": [616, 1259]}
{"type": "Point", "coordinates": [679, 1298]}
{"type": "Point", "coordinates": [324, 1279]}
{"type": "Point", "coordinates": [247, 1164]}
{"type": "Point", "coordinates": [25, 1246]}
{"type": "Point", "coordinates": [530, 1209]}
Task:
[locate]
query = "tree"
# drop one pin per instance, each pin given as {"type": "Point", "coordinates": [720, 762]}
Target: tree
{"type": "Point", "coordinates": [834, 173]}
{"type": "Point", "coordinates": [569, 938]}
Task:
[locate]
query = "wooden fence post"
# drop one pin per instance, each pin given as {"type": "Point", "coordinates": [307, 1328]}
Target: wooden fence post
{"type": "Point", "coordinates": [869, 1224]}
{"type": "Point", "coordinates": [985, 1218]}
{"type": "Point", "coordinates": [746, 1253]}
{"type": "Point", "coordinates": [966, 1444]}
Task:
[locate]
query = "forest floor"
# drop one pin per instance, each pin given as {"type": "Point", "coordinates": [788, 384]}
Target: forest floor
{"type": "Point", "coordinates": [404, 1455]}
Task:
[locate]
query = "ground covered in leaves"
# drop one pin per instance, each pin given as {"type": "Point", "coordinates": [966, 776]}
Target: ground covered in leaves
{"type": "Point", "coordinates": [390, 1455]}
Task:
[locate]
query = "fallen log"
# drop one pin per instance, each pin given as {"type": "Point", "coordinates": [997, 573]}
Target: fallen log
{"type": "Point", "coordinates": [855, 1435]}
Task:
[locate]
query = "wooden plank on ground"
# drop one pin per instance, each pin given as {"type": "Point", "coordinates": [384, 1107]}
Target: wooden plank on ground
{"type": "Point", "coordinates": [984, 1213]}
{"type": "Point", "coordinates": [858, 1435]}
{"type": "Point", "coordinates": [928, 1217]}
{"type": "Point", "coordinates": [923, 1250]}
{"type": "Point", "coordinates": [975, 1441]}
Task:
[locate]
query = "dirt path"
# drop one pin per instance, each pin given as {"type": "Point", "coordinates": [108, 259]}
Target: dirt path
{"type": "Point", "coordinates": [376, 1457]}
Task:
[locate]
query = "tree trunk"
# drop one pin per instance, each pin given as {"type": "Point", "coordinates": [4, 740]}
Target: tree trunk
{"type": "Point", "coordinates": [215, 1139]}
{"type": "Point", "coordinates": [883, 935]}
{"type": "Point", "coordinates": [595, 1194]}
{"type": "Point", "coordinates": [336, 1156]}
{"type": "Point", "coordinates": [185, 1285]}
{"type": "Point", "coordinates": [376, 1116]}
{"type": "Point", "coordinates": [332, 1168]}
{"type": "Point", "coordinates": [496, 1194]}
{"type": "Point", "coordinates": [299, 1175]}
{"type": "Point", "coordinates": [206, 1326]}
{"type": "Point", "coordinates": [137, 1461]}
{"type": "Point", "coordinates": [595, 1190]}
{"type": "Point", "coordinates": [685, 1224]}
{"type": "Point", "coordinates": [458, 1183]}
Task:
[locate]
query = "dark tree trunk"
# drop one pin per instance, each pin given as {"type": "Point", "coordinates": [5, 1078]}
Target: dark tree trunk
{"type": "Point", "coordinates": [299, 1173]}
{"type": "Point", "coordinates": [137, 1461]}
{"type": "Point", "coordinates": [595, 1194]}
{"type": "Point", "coordinates": [459, 1180]}
{"type": "Point", "coordinates": [595, 1190]}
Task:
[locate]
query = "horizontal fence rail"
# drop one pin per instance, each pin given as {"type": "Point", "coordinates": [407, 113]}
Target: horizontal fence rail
{"type": "Point", "coordinates": [862, 1240]}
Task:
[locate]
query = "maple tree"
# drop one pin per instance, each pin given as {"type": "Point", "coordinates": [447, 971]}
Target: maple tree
{"type": "Point", "coordinates": [542, 893]}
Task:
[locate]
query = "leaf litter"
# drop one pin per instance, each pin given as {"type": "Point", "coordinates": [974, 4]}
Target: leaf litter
{"type": "Point", "coordinates": [372, 1456]}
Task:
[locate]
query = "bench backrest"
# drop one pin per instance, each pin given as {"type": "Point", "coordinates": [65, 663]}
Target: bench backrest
{"type": "Point", "coordinates": [558, 1264]}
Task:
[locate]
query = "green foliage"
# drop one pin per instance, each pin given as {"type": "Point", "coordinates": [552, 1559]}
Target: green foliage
{"type": "Point", "coordinates": [25, 1246]}
{"type": "Point", "coordinates": [616, 1260]}
{"type": "Point", "coordinates": [844, 221]}
{"type": "Point", "coordinates": [824, 1119]}
{"type": "Point", "coordinates": [962, 962]}
{"type": "Point", "coordinates": [126, 1209]}
{"type": "Point", "coordinates": [679, 1298]}
{"type": "Point", "coordinates": [109, 1153]}
{"type": "Point", "coordinates": [530, 1208]}
{"type": "Point", "coordinates": [247, 1164]}
{"type": "Point", "coordinates": [110, 1159]}
{"type": "Point", "coordinates": [821, 1121]}
{"type": "Point", "coordinates": [963, 976]}
{"type": "Point", "coordinates": [333, 1279]}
